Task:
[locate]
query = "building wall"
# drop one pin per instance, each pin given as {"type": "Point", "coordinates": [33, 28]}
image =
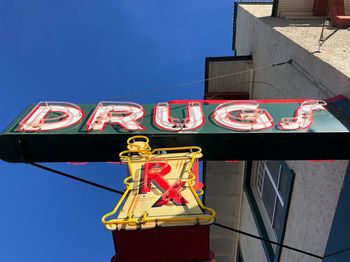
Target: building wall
{"type": "Point", "coordinates": [244, 28]}
{"type": "Point", "coordinates": [317, 185]}
{"type": "Point", "coordinates": [271, 47]}
{"type": "Point", "coordinates": [314, 199]}
{"type": "Point", "coordinates": [223, 193]}
{"type": "Point", "coordinates": [252, 249]}
{"type": "Point", "coordinates": [267, 39]}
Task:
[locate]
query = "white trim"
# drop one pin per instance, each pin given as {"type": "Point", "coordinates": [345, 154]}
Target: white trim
{"type": "Point", "coordinates": [259, 169]}
{"type": "Point", "coordinates": [259, 201]}
{"type": "Point", "coordinates": [273, 183]}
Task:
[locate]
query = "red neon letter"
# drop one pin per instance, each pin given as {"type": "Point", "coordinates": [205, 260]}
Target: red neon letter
{"type": "Point", "coordinates": [194, 117]}
{"type": "Point", "coordinates": [303, 115]}
{"type": "Point", "coordinates": [48, 116]}
{"type": "Point", "coordinates": [242, 116]}
{"type": "Point", "coordinates": [124, 114]}
{"type": "Point", "coordinates": [155, 172]}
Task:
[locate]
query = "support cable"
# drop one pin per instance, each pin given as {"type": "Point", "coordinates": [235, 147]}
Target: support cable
{"type": "Point", "coordinates": [152, 90]}
{"type": "Point", "coordinates": [267, 240]}
{"type": "Point", "coordinates": [76, 178]}
{"type": "Point", "coordinates": [312, 79]}
{"type": "Point", "coordinates": [289, 62]}
{"type": "Point", "coordinates": [215, 223]}
{"type": "Point", "coordinates": [323, 39]}
{"type": "Point", "coordinates": [248, 82]}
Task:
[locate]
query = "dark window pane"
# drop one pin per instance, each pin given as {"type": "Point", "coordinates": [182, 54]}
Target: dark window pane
{"type": "Point", "coordinates": [277, 224]}
{"type": "Point", "coordinates": [274, 168]}
{"type": "Point", "coordinates": [268, 196]}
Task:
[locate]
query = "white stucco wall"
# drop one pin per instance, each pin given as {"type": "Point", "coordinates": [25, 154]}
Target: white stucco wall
{"type": "Point", "coordinates": [223, 193]}
{"type": "Point", "coordinates": [317, 185]}
{"type": "Point", "coordinates": [252, 249]}
{"type": "Point", "coordinates": [315, 195]}
{"type": "Point", "coordinates": [273, 40]}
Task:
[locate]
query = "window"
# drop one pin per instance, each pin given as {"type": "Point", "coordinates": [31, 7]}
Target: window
{"type": "Point", "coordinates": [272, 187]}
{"type": "Point", "coordinates": [268, 187]}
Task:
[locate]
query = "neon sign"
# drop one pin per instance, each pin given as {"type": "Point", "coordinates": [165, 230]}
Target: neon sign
{"type": "Point", "coordinates": [303, 116]}
{"type": "Point", "coordinates": [154, 173]}
{"type": "Point", "coordinates": [64, 132]}
{"type": "Point", "coordinates": [250, 117]}
{"type": "Point", "coordinates": [47, 116]}
{"type": "Point", "coordinates": [162, 188]}
{"type": "Point", "coordinates": [125, 114]}
{"type": "Point", "coordinates": [245, 116]}
{"type": "Point", "coordinates": [161, 206]}
{"type": "Point", "coordinates": [194, 117]}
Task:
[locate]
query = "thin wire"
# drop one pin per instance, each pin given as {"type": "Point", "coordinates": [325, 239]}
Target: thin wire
{"type": "Point", "coordinates": [312, 79]}
{"type": "Point", "coordinates": [216, 224]}
{"type": "Point", "coordinates": [217, 94]}
{"type": "Point", "coordinates": [76, 178]}
{"type": "Point", "coordinates": [249, 82]}
{"type": "Point", "coordinates": [262, 82]}
{"type": "Point", "coordinates": [267, 240]}
{"type": "Point", "coordinates": [229, 87]}
{"type": "Point", "coordinates": [317, 84]}
{"type": "Point", "coordinates": [203, 80]}
{"type": "Point", "coordinates": [324, 23]}
{"type": "Point", "coordinates": [323, 39]}
{"type": "Point", "coordinates": [282, 245]}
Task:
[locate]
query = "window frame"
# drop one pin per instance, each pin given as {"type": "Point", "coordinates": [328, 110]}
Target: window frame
{"type": "Point", "coordinates": [260, 168]}
{"type": "Point", "coordinates": [263, 223]}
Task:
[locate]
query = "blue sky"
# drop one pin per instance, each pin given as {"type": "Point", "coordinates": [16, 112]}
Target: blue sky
{"type": "Point", "coordinates": [85, 52]}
